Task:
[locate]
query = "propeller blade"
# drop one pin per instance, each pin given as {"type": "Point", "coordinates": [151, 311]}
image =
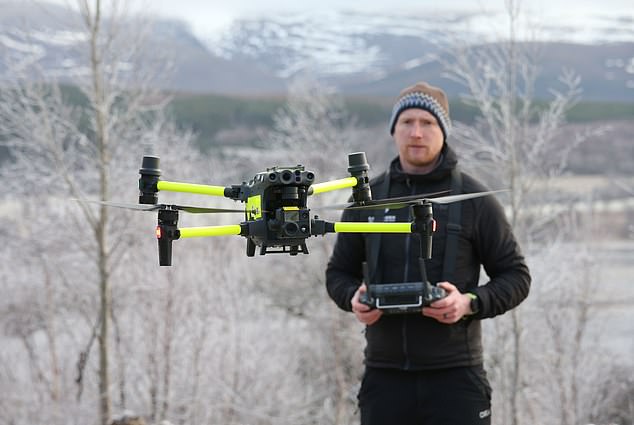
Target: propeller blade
{"type": "Point", "coordinates": [205, 210]}
{"type": "Point", "coordinates": [456, 198]}
{"type": "Point", "coordinates": [381, 206]}
{"type": "Point", "coordinates": [403, 201]}
{"type": "Point", "coordinates": [141, 207]}
{"type": "Point", "coordinates": [136, 207]}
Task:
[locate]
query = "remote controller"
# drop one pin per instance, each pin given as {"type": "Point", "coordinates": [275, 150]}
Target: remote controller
{"type": "Point", "coordinates": [398, 298]}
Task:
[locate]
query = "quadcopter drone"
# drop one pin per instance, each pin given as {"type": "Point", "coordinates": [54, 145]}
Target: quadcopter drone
{"type": "Point", "coordinates": [277, 218]}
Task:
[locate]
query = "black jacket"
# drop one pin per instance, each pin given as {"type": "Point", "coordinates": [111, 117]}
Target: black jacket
{"type": "Point", "coordinates": [413, 341]}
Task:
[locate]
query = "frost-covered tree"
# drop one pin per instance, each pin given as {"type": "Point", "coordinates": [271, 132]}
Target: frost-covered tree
{"type": "Point", "coordinates": [81, 141]}
{"type": "Point", "coordinates": [516, 139]}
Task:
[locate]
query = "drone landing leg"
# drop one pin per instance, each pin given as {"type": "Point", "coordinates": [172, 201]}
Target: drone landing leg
{"type": "Point", "coordinates": [166, 232]}
{"type": "Point", "coordinates": [425, 227]}
{"type": "Point", "coordinates": [250, 248]}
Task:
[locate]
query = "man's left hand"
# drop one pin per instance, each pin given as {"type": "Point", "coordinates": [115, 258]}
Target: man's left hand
{"type": "Point", "coordinates": [451, 308]}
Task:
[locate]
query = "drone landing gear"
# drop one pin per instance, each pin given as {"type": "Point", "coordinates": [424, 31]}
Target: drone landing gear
{"type": "Point", "coordinates": [250, 248]}
{"type": "Point", "coordinates": [166, 232]}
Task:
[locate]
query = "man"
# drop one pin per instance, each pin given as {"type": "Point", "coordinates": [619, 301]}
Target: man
{"type": "Point", "coordinates": [426, 368]}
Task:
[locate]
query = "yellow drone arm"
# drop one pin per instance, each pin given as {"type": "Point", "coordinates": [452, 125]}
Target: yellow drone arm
{"type": "Point", "coordinates": [332, 185]}
{"type": "Point", "coordinates": [199, 232]}
{"type": "Point", "coordinates": [199, 189]}
{"type": "Point", "coordinates": [351, 227]}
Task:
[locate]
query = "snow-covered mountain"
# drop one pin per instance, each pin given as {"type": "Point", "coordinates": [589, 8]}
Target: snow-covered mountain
{"type": "Point", "coordinates": [342, 43]}
{"type": "Point", "coordinates": [379, 54]}
{"type": "Point", "coordinates": [357, 52]}
{"type": "Point", "coordinates": [53, 39]}
{"type": "Point", "coordinates": [333, 43]}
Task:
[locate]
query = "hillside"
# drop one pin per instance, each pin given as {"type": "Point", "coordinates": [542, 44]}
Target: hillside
{"type": "Point", "coordinates": [360, 54]}
{"type": "Point", "coordinates": [223, 121]}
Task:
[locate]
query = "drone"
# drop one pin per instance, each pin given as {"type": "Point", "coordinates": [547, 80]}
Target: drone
{"type": "Point", "coordinates": [277, 218]}
{"type": "Point", "coordinates": [276, 214]}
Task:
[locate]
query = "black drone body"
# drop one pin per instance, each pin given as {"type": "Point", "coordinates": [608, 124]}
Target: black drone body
{"type": "Point", "coordinates": [277, 217]}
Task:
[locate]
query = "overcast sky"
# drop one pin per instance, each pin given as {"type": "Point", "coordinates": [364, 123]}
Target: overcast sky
{"type": "Point", "coordinates": [209, 16]}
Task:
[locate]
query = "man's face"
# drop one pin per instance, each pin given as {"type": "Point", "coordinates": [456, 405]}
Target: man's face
{"type": "Point", "coordinates": [419, 140]}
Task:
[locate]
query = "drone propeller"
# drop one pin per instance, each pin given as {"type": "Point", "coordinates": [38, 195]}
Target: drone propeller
{"type": "Point", "coordinates": [378, 203]}
{"type": "Point", "coordinates": [463, 197]}
{"type": "Point", "coordinates": [396, 203]}
{"type": "Point", "coordinates": [192, 210]}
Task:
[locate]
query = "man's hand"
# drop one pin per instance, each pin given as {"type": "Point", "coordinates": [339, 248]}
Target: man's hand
{"type": "Point", "coordinates": [451, 308]}
{"type": "Point", "coordinates": [364, 313]}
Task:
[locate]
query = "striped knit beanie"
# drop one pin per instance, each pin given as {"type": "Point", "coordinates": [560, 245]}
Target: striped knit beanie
{"type": "Point", "coordinates": [426, 97]}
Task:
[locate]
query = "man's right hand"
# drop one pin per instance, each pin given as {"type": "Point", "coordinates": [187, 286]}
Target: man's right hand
{"type": "Point", "coordinates": [364, 313]}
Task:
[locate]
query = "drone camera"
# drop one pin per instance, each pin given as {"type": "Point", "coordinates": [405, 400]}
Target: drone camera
{"type": "Point", "coordinates": [291, 223]}
{"type": "Point", "coordinates": [287, 177]}
{"type": "Point", "coordinates": [150, 173]}
{"type": "Point", "coordinates": [294, 175]}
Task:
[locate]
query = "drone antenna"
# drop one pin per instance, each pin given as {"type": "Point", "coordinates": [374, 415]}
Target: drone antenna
{"type": "Point", "coordinates": [358, 167]}
{"type": "Point", "coordinates": [150, 173]}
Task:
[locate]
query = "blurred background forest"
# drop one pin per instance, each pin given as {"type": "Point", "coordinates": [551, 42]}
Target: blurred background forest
{"type": "Point", "coordinates": [93, 330]}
